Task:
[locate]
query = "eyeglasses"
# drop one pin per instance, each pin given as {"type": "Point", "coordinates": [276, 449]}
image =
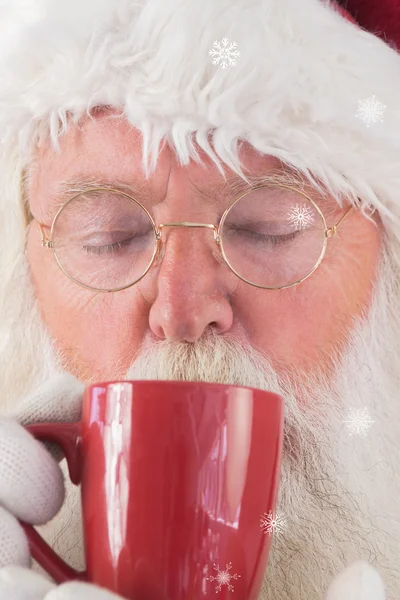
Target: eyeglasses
{"type": "Point", "coordinates": [271, 237]}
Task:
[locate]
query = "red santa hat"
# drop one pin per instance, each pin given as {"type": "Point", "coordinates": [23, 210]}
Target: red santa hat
{"type": "Point", "coordinates": [294, 78]}
{"type": "Point", "coordinates": [379, 17]}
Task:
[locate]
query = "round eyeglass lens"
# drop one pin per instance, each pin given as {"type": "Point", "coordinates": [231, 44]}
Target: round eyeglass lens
{"type": "Point", "coordinates": [273, 236]}
{"type": "Point", "coordinates": [104, 240]}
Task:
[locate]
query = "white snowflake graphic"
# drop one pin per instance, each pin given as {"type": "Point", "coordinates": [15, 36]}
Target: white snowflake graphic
{"type": "Point", "coordinates": [301, 217]}
{"type": "Point", "coordinates": [370, 110]}
{"type": "Point", "coordinates": [224, 53]}
{"type": "Point", "coordinates": [223, 578]}
{"type": "Point", "coordinates": [358, 421]}
{"type": "Point", "coordinates": [270, 524]}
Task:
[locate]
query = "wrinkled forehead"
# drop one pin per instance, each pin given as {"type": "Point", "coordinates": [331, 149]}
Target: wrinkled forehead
{"type": "Point", "coordinates": [106, 146]}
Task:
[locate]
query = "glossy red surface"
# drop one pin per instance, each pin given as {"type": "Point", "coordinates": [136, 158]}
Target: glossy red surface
{"type": "Point", "coordinates": [175, 477]}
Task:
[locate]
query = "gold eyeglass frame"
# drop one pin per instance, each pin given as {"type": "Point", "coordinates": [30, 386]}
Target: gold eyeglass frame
{"type": "Point", "coordinates": [328, 232]}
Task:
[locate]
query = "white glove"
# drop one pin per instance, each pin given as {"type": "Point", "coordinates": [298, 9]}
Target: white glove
{"type": "Point", "coordinates": [17, 583]}
{"type": "Point", "coordinates": [360, 581]}
{"type": "Point", "coordinates": [31, 482]}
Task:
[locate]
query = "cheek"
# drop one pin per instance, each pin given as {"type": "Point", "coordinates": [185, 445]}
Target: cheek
{"type": "Point", "coordinates": [303, 326]}
{"type": "Point", "coordinates": [94, 330]}
{"type": "Point", "coordinates": [57, 296]}
{"type": "Point", "coordinates": [40, 260]}
{"type": "Point", "coordinates": [288, 326]}
{"type": "Point", "coordinates": [295, 328]}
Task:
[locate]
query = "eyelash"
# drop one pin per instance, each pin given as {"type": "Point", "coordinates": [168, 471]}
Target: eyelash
{"type": "Point", "coordinates": [273, 239]}
{"type": "Point", "coordinates": [107, 249]}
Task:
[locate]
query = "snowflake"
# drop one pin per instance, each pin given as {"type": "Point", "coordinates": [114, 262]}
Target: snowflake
{"type": "Point", "coordinates": [358, 421]}
{"type": "Point", "coordinates": [270, 524]}
{"type": "Point", "coordinates": [223, 578]}
{"type": "Point", "coordinates": [225, 52]}
{"type": "Point", "coordinates": [370, 110]}
{"type": "Point", "coordinates": [301, 216]}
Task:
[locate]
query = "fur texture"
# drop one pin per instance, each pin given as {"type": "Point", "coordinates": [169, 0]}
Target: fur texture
{"type": "Point", "coordinates": [294, 92]}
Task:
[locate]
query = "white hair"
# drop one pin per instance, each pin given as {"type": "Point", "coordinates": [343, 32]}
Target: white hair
{"type": "Point", "coordinates": [339, 494]}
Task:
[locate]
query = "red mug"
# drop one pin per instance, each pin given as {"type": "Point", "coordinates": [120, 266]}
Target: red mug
{"type": "Point", "coordinates": [175, 477]}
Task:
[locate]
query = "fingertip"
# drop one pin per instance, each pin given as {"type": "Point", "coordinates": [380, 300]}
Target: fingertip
{"type": "Point", "coordinates": [14, 546]}
{"type": "Point", "coordinates": [17, 583]}
{"type": "Point", "coordinates": [359, 581]}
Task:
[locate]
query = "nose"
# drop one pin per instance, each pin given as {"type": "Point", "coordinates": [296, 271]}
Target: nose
{"type": "Point", "coordinates": [190, 286]}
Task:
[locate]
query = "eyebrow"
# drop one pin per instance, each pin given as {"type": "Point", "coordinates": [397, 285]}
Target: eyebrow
{"type": "Point", "coordinates": [210, 194]}
{"type": "Point", "coordinates": [67, 189]}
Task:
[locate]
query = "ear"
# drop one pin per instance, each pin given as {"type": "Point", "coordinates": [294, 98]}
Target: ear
{"type": "Point", "coordinates": [359, 581]}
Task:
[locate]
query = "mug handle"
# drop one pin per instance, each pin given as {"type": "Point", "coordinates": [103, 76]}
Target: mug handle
{"type": "Point", "coordinates": [68, 437]}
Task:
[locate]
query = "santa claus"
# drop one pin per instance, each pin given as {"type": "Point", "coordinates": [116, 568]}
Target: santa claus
{"type": "Point", "coordinates": [269, 131]}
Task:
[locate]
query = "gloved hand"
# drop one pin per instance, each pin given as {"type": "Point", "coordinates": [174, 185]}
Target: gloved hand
{"type": "Point", "coordinates": [31, 482]}
{"type": "Point", "coordinates": [17, 583]}
{"type": "Point", "coordinates": [360, 581]}
{"type": "Point", "coordinates": [32, 489]}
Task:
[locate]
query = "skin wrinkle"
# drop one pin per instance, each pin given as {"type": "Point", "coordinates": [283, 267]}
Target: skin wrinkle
{"type": "Point", "coordinates": [311, 343]}
{"type": "Point", "coordinates": [209, 194]}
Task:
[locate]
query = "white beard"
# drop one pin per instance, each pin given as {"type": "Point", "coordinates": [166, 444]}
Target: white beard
{"type": "Point", "coordinates": [339, 493]}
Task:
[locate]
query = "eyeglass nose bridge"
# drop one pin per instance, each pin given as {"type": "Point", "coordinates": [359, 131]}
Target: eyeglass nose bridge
{"type": "Point", "coordinates": [218, 254]}
{"type": "Point", "coordinates": [188, 224]}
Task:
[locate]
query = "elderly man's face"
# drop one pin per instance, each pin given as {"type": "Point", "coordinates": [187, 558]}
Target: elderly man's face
{"type": "Point", "coordinates": [190, 290]}
{"type": "Point", "coordinates": [325, 345]}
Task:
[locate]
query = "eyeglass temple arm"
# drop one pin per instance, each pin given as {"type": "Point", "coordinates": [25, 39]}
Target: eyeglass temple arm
{"type": "Point", "coordinates": [45, 240]}
{"type": "Point", "coordinates": [332, 230]}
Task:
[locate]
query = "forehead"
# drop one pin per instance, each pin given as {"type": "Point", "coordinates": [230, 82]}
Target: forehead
{"type": "Point", "coordinates": [109, 148]}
